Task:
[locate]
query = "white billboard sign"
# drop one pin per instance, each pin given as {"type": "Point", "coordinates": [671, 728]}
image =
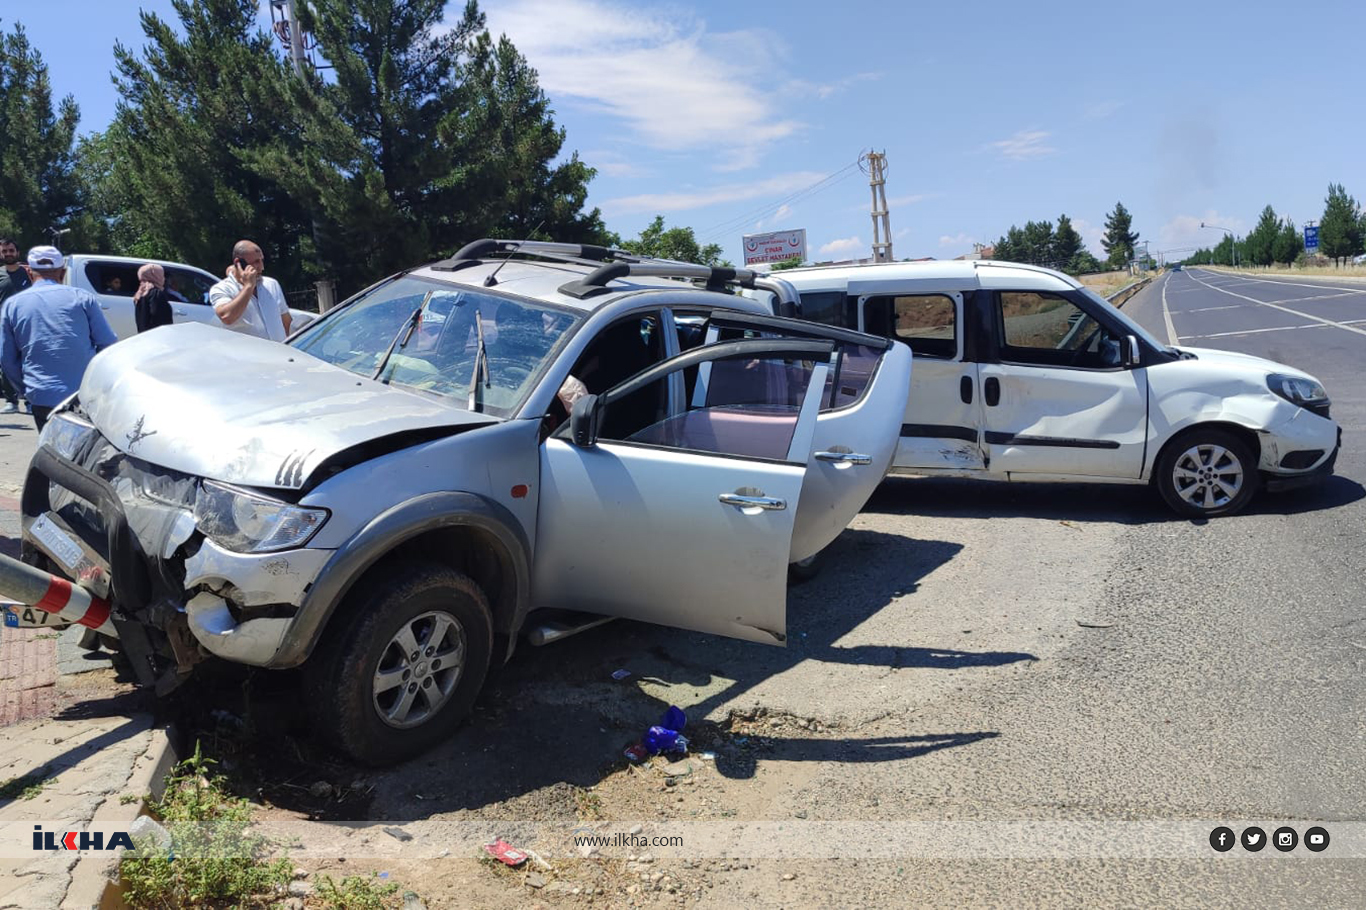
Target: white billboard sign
{"type": "Point", "coordinates": [777, 246]}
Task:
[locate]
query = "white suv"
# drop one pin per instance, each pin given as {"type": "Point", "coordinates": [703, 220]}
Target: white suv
{"type": "Point", "coordinates": [1023, 374]}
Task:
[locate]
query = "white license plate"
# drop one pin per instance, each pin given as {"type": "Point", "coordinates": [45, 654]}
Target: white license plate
{"type": "Point", "coordinates": [18, 616]}
{"type": "Point", "coordinates": [58, 543]}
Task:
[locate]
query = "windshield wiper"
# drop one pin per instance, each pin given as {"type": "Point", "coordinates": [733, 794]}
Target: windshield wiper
{"type": "Point", "coordinates": [405, 332]}
{"type": "Point", "coordinates": [481, 362]}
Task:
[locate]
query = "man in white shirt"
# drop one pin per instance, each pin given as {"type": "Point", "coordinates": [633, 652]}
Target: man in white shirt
{"type": "Point", "coordinates": [247, 301]}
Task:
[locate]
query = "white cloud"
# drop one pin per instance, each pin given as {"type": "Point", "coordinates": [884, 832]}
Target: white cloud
{"type": "Point", "coordinates": [901, 233]}
{"type": "Point", "coordinates": [1185, 230]}
{"type": "Point", "coordinates": [1091, 235]}
{"type": "Point", "coordinates": [830, 89]}
{"type": "Point", "coordinates": [664, 203]}
{"type": "Point", "coordinates": [957, 240]}
{"type": "Point", "coordinates": [1102, 109]}
{"type": "Point", "coordinates": [772, 221]}
{"type": "Point", "coordinates": [614, 164]}
{"type": "Point", "coordinates": [1024, 145]}
{"type": "Point", "coordinates": [844, 247]}
{"type": "Point", "coordinates": [677, 85]}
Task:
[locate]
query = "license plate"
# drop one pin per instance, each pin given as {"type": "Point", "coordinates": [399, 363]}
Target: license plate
{"type": "Point", "coordinates": [18, 616]}
{"type": "Point", "coordinates": [58, 543]}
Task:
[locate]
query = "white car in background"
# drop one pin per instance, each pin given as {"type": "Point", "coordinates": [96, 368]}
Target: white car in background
{"type": "Point", "coordinates": [114, 279]}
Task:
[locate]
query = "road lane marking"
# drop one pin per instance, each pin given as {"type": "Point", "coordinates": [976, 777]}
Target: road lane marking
{"type": "Point", "coordinates": [1279, 328]}
{"type": "Point", "coordinates": [1210, 309]}
{"type": "Point", "coordinates": [1172, 337]}
{"type": "Point", "coordinates": [1296, 284]}
{"type": "Point", "coordinates": [1285, 309]}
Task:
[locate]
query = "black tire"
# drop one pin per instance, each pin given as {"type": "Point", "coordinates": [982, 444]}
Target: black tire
{"type": "Point", "coordinates": [1207, 472]}
{"type": "Point", "coordinates": [802, 572]}
{"type": "Point", "coordinates": [362, 643]}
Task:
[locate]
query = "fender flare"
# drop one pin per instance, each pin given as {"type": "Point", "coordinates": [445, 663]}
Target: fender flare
{"type": "Point", "coordinates": [389, 529]}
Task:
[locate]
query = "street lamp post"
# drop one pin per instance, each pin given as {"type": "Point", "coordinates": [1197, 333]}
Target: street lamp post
{"type": "Point", "coordinates": [1233, 238]}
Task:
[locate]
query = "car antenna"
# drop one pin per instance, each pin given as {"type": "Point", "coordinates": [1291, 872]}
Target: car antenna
{"type": "Point", "coordinates": [490, 281]}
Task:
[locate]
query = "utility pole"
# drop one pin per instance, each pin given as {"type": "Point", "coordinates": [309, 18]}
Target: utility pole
{"type": "Point", "coordinates": [874, 164]}
{"type": "Point", "coordinates": [290, 34]}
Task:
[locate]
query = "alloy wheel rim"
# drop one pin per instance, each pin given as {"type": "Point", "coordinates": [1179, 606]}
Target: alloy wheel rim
{"type": "Point", "coordinates": [1208, 476]}
{"type": "Point", "coordinates": [418, 670]}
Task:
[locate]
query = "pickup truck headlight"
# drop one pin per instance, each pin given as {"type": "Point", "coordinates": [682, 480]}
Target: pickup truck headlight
{"type": "Point", "coordinates": [65, 436]}
{"type": "Point", "coordinates": [1297, 389]}
{"type": "Point", "coordinates": [249, 523]}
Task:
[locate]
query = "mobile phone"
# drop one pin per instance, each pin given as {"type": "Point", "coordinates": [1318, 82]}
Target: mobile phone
{"type": "Point", "coordinates": [240, 263]}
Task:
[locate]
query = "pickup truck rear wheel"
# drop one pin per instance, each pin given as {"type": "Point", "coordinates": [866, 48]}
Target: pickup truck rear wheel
{"type": "Point", "coordinates": [403, 668]}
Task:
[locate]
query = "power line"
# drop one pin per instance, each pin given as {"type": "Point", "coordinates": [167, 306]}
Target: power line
{"type": "Point", "coordinates": [821, 185]}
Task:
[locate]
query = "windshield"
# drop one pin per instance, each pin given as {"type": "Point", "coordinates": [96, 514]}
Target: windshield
{"type": "Point", "coordinates": [1131, 327]}
{"type": "Point", "coordinates": [436, 353]}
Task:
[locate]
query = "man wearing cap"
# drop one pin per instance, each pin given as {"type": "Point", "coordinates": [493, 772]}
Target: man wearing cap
{"type": "Point", "coordinates": [50, 334]}
{"type": "Point", "coordinates": [13, 279]}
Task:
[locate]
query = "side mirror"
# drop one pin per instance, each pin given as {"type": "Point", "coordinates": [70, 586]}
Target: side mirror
{"type": "Point", "coordinates": [583, 422]}
{"type": "Point", "coordinates": [1133, 353]}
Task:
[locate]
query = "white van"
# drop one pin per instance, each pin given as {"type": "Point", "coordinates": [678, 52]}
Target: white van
{"type": "Point", "coordinates": [114, 279]}
{"type": "Point", "coordinates": [1023, 374]}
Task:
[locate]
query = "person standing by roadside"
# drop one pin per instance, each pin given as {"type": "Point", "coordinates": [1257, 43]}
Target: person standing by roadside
{"type": "Point", "coordinates": [13, 279]}
{"type": "Point", "coordinates": [151, 304]}
{"type": "Point", "coordinates": [49, 334]}
{"type": "Point", "coordinates": [247, 301]}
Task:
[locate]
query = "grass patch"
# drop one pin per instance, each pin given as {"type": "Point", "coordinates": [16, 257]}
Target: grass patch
{"type": "Point", "coordinates": [356, 892]}
{"type": "Point", "coordinates": [215, 862]}
{"type": "Point", "coordinates": [26, 787]}
{"type": "Point", "coordinates": [589, 804]}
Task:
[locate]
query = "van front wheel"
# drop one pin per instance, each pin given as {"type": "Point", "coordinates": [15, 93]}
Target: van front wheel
{"type": "Point", "coordinates": [1205, 473]}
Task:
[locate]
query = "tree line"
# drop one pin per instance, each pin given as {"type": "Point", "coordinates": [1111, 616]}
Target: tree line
{"type": "Point", "coordinates": [1061, 247]}
{"type": "Point", "coordinates": [1342, 235]}
{"type": "Point", "coordinates": [422, 138]}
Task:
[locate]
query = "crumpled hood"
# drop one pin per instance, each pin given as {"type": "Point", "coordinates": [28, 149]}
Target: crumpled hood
{"type": "Point", "coordinates": [1243, 361]}
{"type": "Point", "coordinates": [244, 410]}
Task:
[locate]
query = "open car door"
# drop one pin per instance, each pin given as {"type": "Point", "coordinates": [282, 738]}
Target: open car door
{"type": "Point", "coordinates": [657, 509]}
{"type": "Point", "coordinates": [857, 428]}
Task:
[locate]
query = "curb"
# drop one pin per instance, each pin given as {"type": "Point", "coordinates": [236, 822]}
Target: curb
{"type": "Point", "coordinates": [95, 878]}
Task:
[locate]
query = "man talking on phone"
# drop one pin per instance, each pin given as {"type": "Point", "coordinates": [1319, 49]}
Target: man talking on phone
{"type": "Point", "coordinates": [247, 301]}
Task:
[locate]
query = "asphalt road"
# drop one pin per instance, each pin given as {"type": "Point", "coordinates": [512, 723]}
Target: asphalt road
{"type": "Point", "coordinates": [991, 652]}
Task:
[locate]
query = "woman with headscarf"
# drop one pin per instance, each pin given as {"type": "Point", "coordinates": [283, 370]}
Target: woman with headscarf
{"type": "Point", "coordinates": [151, 304]}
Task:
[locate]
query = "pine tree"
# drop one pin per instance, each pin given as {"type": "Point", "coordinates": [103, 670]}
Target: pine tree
{"type": "Point", "coordinates": [1119, 239]}
{"type": "Point", "coordinates": [39, 187]}
{"type": "Point", "coordinates": [1340, 230]}
{"type": "Point", "coordinates": [427, 138]}
{"type": "Point", "coordinates": [1066, 243]}
{"type": "Point", "coordinates": [1289, 243]}
{"type": "Point", "coordinates": [173, 173]}
{"type": "Point", "coordinates": [1261, 240]}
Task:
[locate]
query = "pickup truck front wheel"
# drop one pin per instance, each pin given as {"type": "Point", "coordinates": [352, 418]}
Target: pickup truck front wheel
{"type": "Point", "coordinates": [403, 668]}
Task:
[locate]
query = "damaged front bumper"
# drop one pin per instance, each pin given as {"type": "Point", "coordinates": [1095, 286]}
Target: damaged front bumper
{"type": "Point", "coordinates": [126, 530]}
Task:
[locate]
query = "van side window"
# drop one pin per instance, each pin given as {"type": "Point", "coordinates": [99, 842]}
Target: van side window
{"type": "Point", "coordinates": [827, 308]}
{"type": "Point", "coordinates": [926, 322]}
{"type": "Point", "coordinates": [1049, 329]}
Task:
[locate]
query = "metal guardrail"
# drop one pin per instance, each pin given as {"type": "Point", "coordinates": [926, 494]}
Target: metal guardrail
{"type": "Point", "coordinates": [1120, 297]}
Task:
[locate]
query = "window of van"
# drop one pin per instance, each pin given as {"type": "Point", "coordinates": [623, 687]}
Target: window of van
{"type": "Point", "coordinates": [926, 322]}
{"type": "Point", "coordinates": [827, 308]}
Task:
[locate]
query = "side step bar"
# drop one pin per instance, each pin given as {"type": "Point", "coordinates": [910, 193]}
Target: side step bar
{"type": "Point", "coordinates": [549, 626]}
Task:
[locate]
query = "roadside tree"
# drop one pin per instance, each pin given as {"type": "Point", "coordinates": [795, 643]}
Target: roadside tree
{"type": "Point", "coordinates": [1340, 230]}
{"type": "Point", "coordinates": [678, 243]}
{"type": "Point", "coordinates": [1119, 236]}
{"type": "Point", "coordinates": [1289, 243]}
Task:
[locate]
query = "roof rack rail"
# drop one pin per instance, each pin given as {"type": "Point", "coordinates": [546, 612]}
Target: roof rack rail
{"type": "Point", "coordinates": [716, 277]}
{"type": "Point", "coordinates": [480, 250]}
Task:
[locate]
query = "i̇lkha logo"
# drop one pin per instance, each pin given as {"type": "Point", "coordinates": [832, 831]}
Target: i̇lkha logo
{"type": "Point", "coordinates": [79, 840]}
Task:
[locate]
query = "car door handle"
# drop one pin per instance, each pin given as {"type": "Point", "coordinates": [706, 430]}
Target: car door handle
{"type": "Point", "coordinates": [965, 389]}
{"type": "Point", "coordinates": [179, 312]}
{"type": "Point", "coordinates": [991, 391]}
{"type": "Point", "coordinates": [844, 457]}
{"type": "Point", "coordinates": [766, 503]}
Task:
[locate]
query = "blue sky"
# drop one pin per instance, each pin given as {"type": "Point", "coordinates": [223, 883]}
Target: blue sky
{"type": "Point", "coordinates": [723, 116]}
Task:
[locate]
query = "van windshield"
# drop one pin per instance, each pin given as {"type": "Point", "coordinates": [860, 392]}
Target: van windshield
{"type": "Point", "coordinates": [1131, 327]}
{"type": "Point", "coordinates": [436, 352]}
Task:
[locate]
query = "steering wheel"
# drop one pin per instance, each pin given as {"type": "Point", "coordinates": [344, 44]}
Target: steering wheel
{"type": "Point", "coordinates": [512, 370]}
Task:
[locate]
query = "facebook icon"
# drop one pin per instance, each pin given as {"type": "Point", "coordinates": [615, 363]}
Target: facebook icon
{"type": "Point", "coordinates": [1221, 839]}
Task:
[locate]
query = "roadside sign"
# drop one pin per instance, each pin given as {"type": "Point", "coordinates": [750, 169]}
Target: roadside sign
{"type": "Point", "coordinates": [1311, 239]}
{"type": "Point", "coordinates": [776, 246]}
